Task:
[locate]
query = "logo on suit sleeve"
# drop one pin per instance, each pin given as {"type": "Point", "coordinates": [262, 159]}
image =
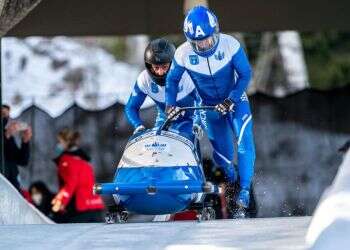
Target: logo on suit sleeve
{"type": "Point", "coordinates": [244, 97]}
{"type": "Point", "coordinates": [219, 56]}
{"type": "Point", "coordinates": [154, 88]}
{"type": "Point", "coordinates": [194, 60]}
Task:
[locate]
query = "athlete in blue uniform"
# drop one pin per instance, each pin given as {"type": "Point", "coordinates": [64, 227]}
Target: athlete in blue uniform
{"type": "Point", "coordinates": [221, 72]}
{"type": "Point", "coordinates": [151, 82]}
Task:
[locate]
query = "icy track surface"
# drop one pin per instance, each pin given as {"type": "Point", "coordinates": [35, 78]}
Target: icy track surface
{"type": "Point", "coordinates": [275, 233]}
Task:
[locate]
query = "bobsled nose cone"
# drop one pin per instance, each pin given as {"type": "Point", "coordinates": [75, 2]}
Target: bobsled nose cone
{"type": "Point", "coordinates": [97, 189]}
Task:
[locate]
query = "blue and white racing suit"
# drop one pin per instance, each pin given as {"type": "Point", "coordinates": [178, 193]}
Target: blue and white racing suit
{"type": "Point", "coordinates": [225, 74]}
{"type": "Point", "coordinates": [186, 97]}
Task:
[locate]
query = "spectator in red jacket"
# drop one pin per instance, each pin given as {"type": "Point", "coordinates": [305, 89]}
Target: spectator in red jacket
{"type": "Point", "coordinates": [75, 199]}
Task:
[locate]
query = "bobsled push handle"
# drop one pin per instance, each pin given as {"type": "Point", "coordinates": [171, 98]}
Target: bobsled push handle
{"type": "Point", "coordinates": [177, 188]}
{"type": "Point", "coordinates": [169, 119]}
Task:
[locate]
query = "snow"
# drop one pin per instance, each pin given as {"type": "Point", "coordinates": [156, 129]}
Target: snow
{"type": "Point", "coordinates": [55, 73]}
{"type": "Point", "coordinates": [330, 226]}
{"type": "Point", "coordinates": [271, 233]}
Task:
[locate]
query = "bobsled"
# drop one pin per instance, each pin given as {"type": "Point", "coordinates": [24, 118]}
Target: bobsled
{"type": "Point", "coordinates": [160, 172]}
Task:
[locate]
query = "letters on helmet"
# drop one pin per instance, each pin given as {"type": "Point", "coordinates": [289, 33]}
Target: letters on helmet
{"type": "Point", "coordinates": [188, 27]}
{"type": "Point", "coordinates": [211, 18]}
{"type": "Point", "coordinates": [199, 31]}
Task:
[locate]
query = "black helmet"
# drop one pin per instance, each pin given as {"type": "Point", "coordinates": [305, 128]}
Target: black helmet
{"type": "Point", "coordinates": [158, 51]}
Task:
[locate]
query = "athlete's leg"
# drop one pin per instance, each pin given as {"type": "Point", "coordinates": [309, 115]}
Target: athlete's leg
{"type": "Point", "coordinates": [243, 127]}
{"type": "Point", "coordinates": [241, 121]}
{"type": "Point", "coordinates": [221, 137]}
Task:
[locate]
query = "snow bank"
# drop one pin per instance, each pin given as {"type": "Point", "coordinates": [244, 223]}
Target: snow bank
{"type": "Point", "coordinates": [330, 226]}
{"type": "Point", "coordinates": [53, 74]}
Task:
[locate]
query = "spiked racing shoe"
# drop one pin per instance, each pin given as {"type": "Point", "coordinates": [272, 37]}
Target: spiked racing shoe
{"type": "Point", "coordinates": [242, 203]}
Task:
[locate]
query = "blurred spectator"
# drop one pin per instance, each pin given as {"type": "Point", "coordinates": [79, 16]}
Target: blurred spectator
{"type": "Point", "coordinates": [41, 197]}
{"type": "Point", "coordinates": [14, 155]}
{"type": "Point", "coordinates": [75, 200]}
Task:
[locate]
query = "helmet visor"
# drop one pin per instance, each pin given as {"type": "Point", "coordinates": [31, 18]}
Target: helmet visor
{"type": "Point", "coordinates": [206, 44]}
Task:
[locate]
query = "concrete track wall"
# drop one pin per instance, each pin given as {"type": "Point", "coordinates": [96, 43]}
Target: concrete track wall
{"type": "Point", "coordinates": [14, 209]}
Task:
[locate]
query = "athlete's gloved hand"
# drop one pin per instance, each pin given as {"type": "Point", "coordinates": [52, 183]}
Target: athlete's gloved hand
{"type": "Point", "coordinates": [226, 106]}
{"type": "Point", "coordinates": [139, 129]}
{"type": "Point", "coordinates": [173, 112]}
{"type": "Point", "coordinates": [197, 131]}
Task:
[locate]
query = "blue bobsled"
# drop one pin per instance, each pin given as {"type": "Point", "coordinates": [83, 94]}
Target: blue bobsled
{"type": "Point", "coordinates": [159, 173]}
